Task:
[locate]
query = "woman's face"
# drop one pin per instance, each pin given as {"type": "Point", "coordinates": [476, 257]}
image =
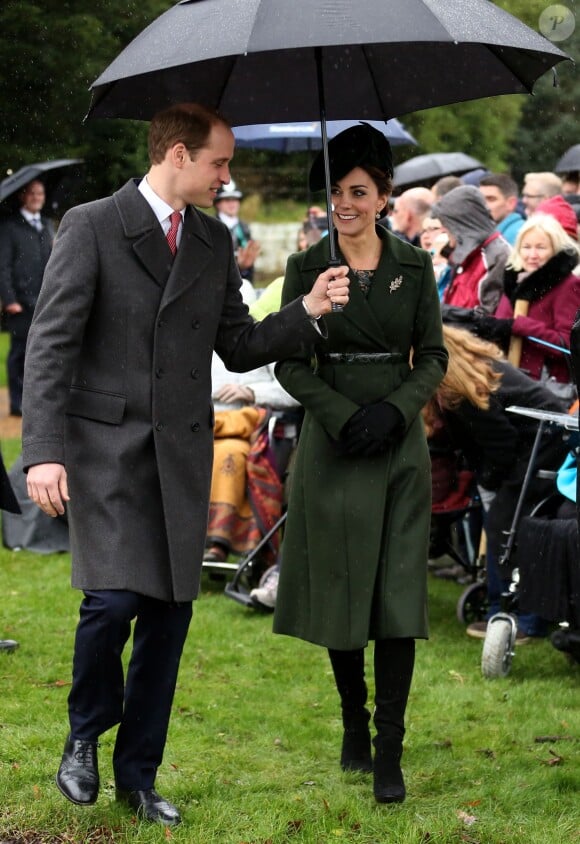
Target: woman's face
{"type": "Point", "coordinates": [356, 200]}
{"type": "Point", "coordinates": [430, 229]}
{"type": "Point", "coordinates": [535, 249]}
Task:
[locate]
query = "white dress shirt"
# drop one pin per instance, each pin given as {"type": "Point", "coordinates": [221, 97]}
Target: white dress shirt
{"type": "Point", "coordinates": [160, 208]}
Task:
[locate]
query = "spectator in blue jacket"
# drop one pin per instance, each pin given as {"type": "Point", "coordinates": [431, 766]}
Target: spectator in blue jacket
{"type": "Point", "coordinates": [501, 197]}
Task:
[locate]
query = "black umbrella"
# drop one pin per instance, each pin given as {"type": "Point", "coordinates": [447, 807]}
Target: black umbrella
{"type": "Point", "coordinates": [56, 176]}
{"type": "Point", "coordinates": [570, 161]}
{"type": "Point", "coordinates": [426, 169]}
{"type": "Point", "coordinates": [262, 61]}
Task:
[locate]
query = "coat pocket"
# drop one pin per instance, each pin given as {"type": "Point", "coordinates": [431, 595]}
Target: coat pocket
{"type": "Point", "coordinates": [96, 405]}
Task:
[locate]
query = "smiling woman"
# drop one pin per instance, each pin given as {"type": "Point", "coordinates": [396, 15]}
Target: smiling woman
{"type": "Point", "coordinates": [348, 548]}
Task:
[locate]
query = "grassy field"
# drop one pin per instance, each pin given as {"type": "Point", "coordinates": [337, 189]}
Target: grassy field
{"type": "Point", "coordinates": [252, 756]}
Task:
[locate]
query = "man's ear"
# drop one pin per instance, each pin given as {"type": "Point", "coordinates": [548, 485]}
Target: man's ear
{"type": "Point", "coordinates": [511, 201]}
{"type": "Point", "coordinates": [178, 154]}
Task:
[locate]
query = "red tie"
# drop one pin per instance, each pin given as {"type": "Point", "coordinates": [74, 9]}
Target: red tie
{"type": "Point", "coordinates": [175, 218]}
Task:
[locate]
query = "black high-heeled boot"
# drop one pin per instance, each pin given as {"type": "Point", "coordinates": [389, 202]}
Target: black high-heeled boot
{"type": "Point", "coordinates": [394, 662]}
{"type": "Point", "coordinates": [348, 668]}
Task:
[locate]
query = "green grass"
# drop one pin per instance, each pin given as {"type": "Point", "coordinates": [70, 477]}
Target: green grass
{"type": "Point", "coordinates": [252, 755]}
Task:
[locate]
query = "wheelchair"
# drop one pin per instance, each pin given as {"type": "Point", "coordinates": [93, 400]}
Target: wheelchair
{"type": "Point", "coordinates": [247, 569]}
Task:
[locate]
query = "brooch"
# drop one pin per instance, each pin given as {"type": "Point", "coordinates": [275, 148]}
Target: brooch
{"type": "Point", "coordinates": [395, 284]}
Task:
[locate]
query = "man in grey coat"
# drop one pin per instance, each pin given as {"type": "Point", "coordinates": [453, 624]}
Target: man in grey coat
{"type": "Point", "coordinates": [118, 428]}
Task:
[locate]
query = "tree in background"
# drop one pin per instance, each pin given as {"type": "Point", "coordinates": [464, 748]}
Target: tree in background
{"type": "Point", "coordinates": [493, 129]}
{"type": "Point", "coordinates": [51, 52]}
{"type": "Point", "coordinates": [550, 119]}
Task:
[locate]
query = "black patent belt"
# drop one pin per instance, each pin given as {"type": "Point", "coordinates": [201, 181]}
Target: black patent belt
{"type": "Point", "coordinates": [361, 357]}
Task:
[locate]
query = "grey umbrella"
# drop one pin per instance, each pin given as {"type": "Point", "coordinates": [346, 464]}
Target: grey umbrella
{"type": "Point", "coordinates": [262, 61]}
{"type": "Point", "coordinates": [570, 161]}
{"type": "Point", "coordinates": [54, 174]}
{"type": "Point", "coordinates": [426, 169]}
{"type": "Point", "coordinates": [297, 137]}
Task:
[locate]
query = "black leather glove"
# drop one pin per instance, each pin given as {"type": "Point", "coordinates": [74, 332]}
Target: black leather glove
{"type": "Point", "coordinates": [371, 429]}
{"type": "Point", "coordinates": [489, 328]}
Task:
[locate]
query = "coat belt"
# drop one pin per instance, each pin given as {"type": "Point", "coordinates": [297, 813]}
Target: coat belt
{"type": "Point", "coordinates": [361, 357]}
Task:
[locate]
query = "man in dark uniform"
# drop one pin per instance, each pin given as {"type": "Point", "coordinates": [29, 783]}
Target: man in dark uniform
{"type": "Point", "coordinates": [25, 244]}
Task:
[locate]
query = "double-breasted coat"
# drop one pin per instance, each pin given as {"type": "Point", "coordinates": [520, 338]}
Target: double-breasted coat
{"type": "Point", "coordinates": [118, 385]}
{"type": "Point", "coordinates": [354, 559]}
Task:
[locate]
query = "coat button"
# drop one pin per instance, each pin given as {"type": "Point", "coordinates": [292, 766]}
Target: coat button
{"type": "Point", "coordinates": [159, 426]}
{"type": "Point", "coordinates": [195, 427]}
{"type": "Point", "coordinates": [195, 324]}
{"type": "Point", "coordinates": [159, 373]}
{"type": "Point", "coordinates": [160, 323]}
{"type": "Point", "coordinates": [195, 373]}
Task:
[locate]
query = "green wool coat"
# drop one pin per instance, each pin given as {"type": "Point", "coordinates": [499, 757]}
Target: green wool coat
{"type": "Point", "coordinates": [354, 564]}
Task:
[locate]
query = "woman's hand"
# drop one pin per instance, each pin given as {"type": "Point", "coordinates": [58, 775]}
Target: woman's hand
{"type": "Point", "coordinates": [330, 286]}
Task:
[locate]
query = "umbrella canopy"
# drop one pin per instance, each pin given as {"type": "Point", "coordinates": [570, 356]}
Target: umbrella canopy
{"type": "Point", "coordinates": [570, 161]}
{"type": "Point", "coordinates": [262, 60]}
{"type": "Point", "coordinates": [297, 137]}
{"type": "Point", "coordinates": [55, 175]}
{"type": "Point", "coordinates": [426, 169]}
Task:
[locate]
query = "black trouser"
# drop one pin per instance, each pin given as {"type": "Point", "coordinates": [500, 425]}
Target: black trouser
{"type": "Point", "coordinates": [15, 372]}
{"type": "Point", "coordinates": [100, 697]}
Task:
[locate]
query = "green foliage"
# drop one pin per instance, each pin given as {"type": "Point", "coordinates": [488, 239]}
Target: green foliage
{"type": "Point", "coordinates": [549, 124]}
{"type": "Point", "coordinates": [54, 50]}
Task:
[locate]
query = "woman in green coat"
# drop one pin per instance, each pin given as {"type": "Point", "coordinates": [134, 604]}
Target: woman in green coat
{"type": "Point", "coordinates": [356, 541]}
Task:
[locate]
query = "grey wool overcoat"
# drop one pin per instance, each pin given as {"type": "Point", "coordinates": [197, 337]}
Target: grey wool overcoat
{"type": "Point", "coordinates": [354, 558]}
{"type": "Point", "coordinates": [118, 385]}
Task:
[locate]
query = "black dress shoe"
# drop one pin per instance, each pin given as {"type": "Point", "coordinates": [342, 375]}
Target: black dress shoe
{"type": "Point", "coordinates": [8, 645]}
{"type": "Point", "coordinates": [78, 775]}
{"type": "Point", "coordinates": [150, 806]}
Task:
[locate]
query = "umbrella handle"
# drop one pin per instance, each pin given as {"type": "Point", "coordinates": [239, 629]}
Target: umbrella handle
{"type": "Point", "coordinates": [334, 262]}
{"type": "Point", "coordinates": [521, 308]}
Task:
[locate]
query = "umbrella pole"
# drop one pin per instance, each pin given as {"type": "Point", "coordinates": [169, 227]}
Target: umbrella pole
{"type": "Point", "coordinates": [333, 260]}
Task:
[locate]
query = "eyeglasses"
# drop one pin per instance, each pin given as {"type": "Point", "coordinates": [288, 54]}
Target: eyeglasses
{"type": "Point", "coordinates": [533, 195]}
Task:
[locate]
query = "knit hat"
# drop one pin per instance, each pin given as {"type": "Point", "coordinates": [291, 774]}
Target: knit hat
{"type": "Point", "coordinates": [562, 211]}
{"type": "Point", "coordinates": [357, 146]}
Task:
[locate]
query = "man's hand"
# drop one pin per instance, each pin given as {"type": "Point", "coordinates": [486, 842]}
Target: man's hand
{"type": "Point", "coordinates": [246, 255]}
{"type": "Point", "coordinates": [47, 487]}
{"type": "Point", "coordinates": [14, 308]}
{"type": "Point", "coordinates": [230, 393]}
{"type": "Point", "coordinates": [330, 286]}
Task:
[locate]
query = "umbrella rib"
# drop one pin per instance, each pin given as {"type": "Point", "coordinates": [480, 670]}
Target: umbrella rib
{"type": "Point", "coordinates": [377, 92]}
{"type": "Point", "coordinates": [502, 58]}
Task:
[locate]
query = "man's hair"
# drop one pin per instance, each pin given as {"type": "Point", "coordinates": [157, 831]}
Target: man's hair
{"type": "Point", "coordinates": [503, 182]}
{"type": "Point", "coordinates": [551, 184]}
{"type": "Point", "coordinates": [188, 123]}
{"type": "Point", "coordinates": [444, 185]}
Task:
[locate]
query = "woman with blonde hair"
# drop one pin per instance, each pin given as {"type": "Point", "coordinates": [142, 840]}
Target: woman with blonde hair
{"type": "Point", "coordinates": [540, 271]}
{"type": "Point", "coordinates": [470, 410]}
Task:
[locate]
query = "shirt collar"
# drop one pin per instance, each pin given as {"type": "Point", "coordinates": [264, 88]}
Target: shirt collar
{"type": "Point", "coordinates": [28, 215]}
{"type": "Point", "coordinates": [159, 207]}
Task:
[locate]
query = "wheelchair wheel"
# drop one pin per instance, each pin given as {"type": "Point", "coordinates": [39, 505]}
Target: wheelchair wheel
{"type": "Point", "coordinates": [498, 648]}
{"type": "Point", "coordinates": [473, 603]}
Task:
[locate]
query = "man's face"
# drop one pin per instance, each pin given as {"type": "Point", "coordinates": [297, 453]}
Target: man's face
{"type": "Point", "coordinates": [498, 205]}
{"type": "Point", "coordinates": [533, 193]}
{"type": "Point", "coordinates": [400, 216]}
{"type": "Point", "coordinates": [33, 197]}
{"type": "Point", "coordinates": [228, 206]}
{"type": "Point", "coordinates": [202, 176]}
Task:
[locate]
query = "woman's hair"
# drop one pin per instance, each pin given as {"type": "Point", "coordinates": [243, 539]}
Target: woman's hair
{"type": "Point", "coordinates": [547, 224]}
{"type": "Point", "coordinates": [383, 182]}
{"type": "Point", "coordinates": [470, 374]}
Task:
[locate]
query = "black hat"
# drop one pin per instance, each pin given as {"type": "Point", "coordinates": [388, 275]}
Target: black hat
{"type": "Point", "coordinates": [356, 146]}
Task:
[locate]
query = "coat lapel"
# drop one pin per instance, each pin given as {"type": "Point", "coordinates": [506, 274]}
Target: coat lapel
{"type": "Point", "coordinates": [142, 227]}
{"type": "Point", "coordinates": [193, 255]}
{"type": "Point", "coordinates": [370, 316]}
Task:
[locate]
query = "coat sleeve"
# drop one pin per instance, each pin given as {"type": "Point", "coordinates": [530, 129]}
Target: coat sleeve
{"type": "Point", "coordinates": [429, 355]}
{"type": "Point", "coordinates": [297, 376]}
{"type": "Point", "coordinates": [7, 293]}
{"type": "Point", "coordinates": [243, 344]}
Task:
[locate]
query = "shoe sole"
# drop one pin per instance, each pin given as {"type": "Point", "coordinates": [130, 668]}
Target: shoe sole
{"type": "Point", "coordinates": [68, 797]}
